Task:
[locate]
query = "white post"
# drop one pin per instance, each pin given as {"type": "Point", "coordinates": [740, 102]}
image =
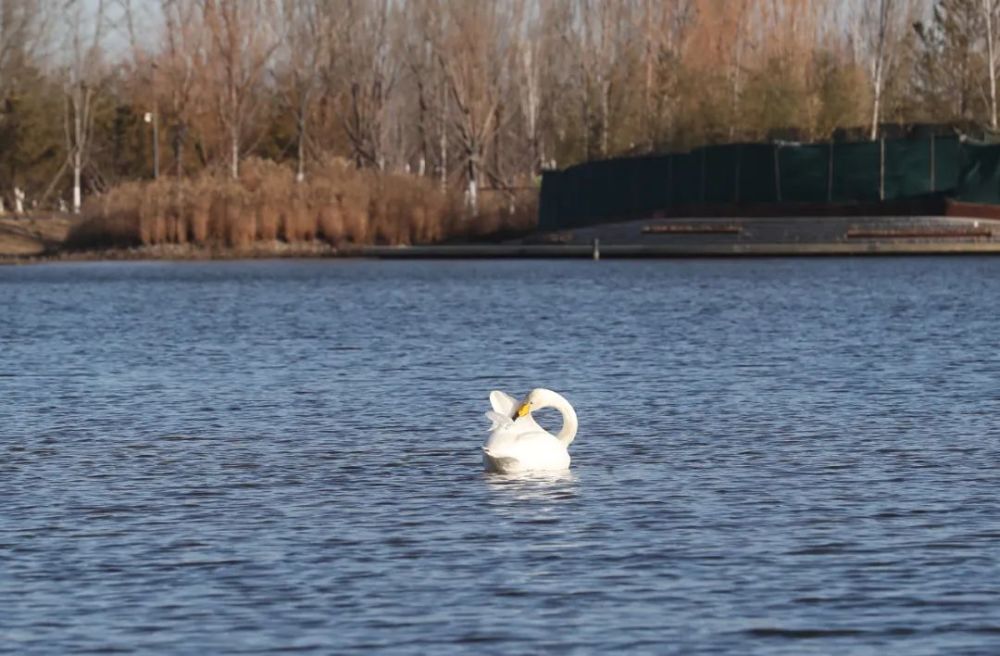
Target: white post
{"type": "Point", "coordinates": [77, 201]}
{"type": "Point", "coordinates": [473, 196]}
{"type": "Point", "coordinates": [79, 105]}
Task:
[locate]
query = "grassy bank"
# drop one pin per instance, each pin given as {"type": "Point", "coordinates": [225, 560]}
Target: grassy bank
{"type": "Point", "coordinates": [337, 205]}
{"type": "Point", "coordinates": [34, 235]}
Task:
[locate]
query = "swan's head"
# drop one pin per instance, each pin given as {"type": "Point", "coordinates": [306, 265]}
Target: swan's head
{"type": "Point", "coordinates": [538, 398]}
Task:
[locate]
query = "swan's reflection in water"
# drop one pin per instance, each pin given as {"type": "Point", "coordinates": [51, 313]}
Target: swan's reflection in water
{"type": "Point", "coordinates": [546, 486]}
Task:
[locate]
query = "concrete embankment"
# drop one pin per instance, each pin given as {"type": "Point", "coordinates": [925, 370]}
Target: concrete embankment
{"type": "Point", "coordinates": [738, 237]}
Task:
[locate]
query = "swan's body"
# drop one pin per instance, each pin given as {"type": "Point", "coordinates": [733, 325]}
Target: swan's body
{"type": "Point", "coordinates": [518, 444]}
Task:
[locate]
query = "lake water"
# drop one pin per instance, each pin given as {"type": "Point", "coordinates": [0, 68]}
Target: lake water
{"type": "Point", "coordinates": [775, 457]}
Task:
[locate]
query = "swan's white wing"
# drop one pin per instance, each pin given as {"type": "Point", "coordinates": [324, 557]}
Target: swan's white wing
{"type": "Point", "coordinates": [500, 421]}
{"type": "Point", "coordinates": [503, 403]}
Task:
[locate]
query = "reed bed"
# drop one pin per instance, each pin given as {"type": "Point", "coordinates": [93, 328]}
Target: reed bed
{"type": "Point", "coordinates": [337, 204]}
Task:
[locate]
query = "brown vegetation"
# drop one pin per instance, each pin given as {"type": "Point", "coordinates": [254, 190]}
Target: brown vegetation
{"type": "Point", "coordinates": [338, 204]}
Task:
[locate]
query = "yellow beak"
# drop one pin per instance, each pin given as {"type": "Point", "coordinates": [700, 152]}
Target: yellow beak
{"type": "Point", "coordinates": [524, 409]}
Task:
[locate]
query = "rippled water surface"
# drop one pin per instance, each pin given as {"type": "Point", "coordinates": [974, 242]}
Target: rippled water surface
{"type": "Point", "coordinates": [775, 457]}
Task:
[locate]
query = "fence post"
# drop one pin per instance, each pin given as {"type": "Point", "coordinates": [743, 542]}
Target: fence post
{"type": "Point", "coordinates": [881, 168]}
{"type": "Point", "coordinates": [933, 165]}
{"type": "Point", "coordinates": [829, 174]}
{"type": "Point", "coordinates": [777, 174]}
{"type": "Point", "coordinates": [671, 200]}
{"type": "Point", "coordinates": [703, 174]}
{"type": "Point", "coordinates": [736, 184]}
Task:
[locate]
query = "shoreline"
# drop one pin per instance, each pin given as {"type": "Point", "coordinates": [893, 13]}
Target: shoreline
{"type": "Point", "coordinates": [729, 237]}
{"type": "Point", "coordinates": [184, 253]}
{"type": "Point", "coordinates": [515, 251]}
{"type": "Point", "coordinates": [623, 251]}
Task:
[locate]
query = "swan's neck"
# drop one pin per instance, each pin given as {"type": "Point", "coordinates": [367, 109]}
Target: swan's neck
{"type": "Point", "coordinates": [569, 427]}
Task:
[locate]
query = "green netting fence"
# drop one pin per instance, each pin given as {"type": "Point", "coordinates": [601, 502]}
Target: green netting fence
{"type": "Point", "coordinates": [771, 173]}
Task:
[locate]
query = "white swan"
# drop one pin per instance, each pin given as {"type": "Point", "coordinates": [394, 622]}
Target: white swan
{"type": "Point", "coordinates": [517, 443]}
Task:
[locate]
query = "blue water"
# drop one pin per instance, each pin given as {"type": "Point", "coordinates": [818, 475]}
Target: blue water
{"type": "Point", "coordinates": [775, 457]}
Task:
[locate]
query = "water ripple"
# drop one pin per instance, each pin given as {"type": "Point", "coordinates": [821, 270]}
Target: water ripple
{"type": "Point", "coordinates": [776, 457]}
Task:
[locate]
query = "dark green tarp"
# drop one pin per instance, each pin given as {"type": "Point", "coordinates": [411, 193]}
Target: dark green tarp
{"type": "Point", "coordinates": [757, 171]}
{"type": "Point", "coordinates": [803, 173]}
{"type": "Point", "coordinates": [685, 178]}
{"type": "Point", "coordinates": [907, 169]}
{"type": "Point", "coordinates": [947, 168]}
{"type": "Point", "coordinates": [855, 172]}
{"type": "Point", "coordinates": [722, 165]}
{"type": "Point", "coordinates": [764, 174]}
{"type": "Point", "coordinates": [980, 177]}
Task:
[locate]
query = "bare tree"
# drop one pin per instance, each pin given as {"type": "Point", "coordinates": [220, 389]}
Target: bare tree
{"type": "Point", "coordinates": [82, 79]}
{"type": "Point", "coordinates": [475, 59]}
{"type": "Point", "coordinates": [24, 25]}
{"type": "Point", "coordinates": [667, 29]}
{"type": "Point", "coordinates": [307, 28]}
{"type": "Point", "coordinates": [371, 73]}
{"type": "Point", "coordinates": [242, 42]}
{"type": "Point", "coordinates": [531, 59]}
{"type": "Point", "coordinates": [179, 69]}
{"type": "Point", "coordinates": [418, 49]}
{"type": "Point", "coordinates": [738, 31]}
{"type": "Point", "coordinates": [597, 60]}
{"type": "Point", "coordinates": [881, 22]}
{"type": "Point", "coordinates": [601, 45]}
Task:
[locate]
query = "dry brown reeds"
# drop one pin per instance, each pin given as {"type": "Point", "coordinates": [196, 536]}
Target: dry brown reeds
{"type": "Point", "coordinates": [111, 221]}
{"type": "Point", "coordinates": [337, 203]}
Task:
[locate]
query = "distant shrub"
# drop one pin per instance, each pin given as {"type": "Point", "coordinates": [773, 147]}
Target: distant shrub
{"type": "Point", "coordinates": [337, 203]}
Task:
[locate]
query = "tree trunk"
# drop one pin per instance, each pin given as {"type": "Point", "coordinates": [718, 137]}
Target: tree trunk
{"type": "Point", "coordinates": [422, 127]}
{"type": "Point", "coordinates": [531, 106]}
{"type": "Point", "coordinates": [991, 61]}
{"type": "Point", "coordinates": [300, 174]}
{"type": "Point", "coordinates": [886, 13]}
{"type": "Point", "coordinates": [605, 118]}
{"type": "Point", "coordinates": [444, 139]}
{"type": "Point", "coordinates": [647, 85]}
{"type": "Point", "coordinates": [444, 159]}
{"type": "Point", "coordinates": [497, 144]}
{"type": "Point", "coordinates": [156, 145]}
{"type": "Point", "coordinates": [178, 139]}
{"type": "Point", "coordinates": [234, 145]}
{"type": "Point", "coordinates": [876, 105]}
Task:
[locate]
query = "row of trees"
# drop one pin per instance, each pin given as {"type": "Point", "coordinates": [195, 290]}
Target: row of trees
{"type": "Point", "coordinates": [473, 93]}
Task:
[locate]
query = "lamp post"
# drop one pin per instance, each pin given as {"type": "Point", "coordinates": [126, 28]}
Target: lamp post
{"type": "Point", "coordinates": [153, 117]}
{"type": "Point", "coordinates": [150, 117]}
